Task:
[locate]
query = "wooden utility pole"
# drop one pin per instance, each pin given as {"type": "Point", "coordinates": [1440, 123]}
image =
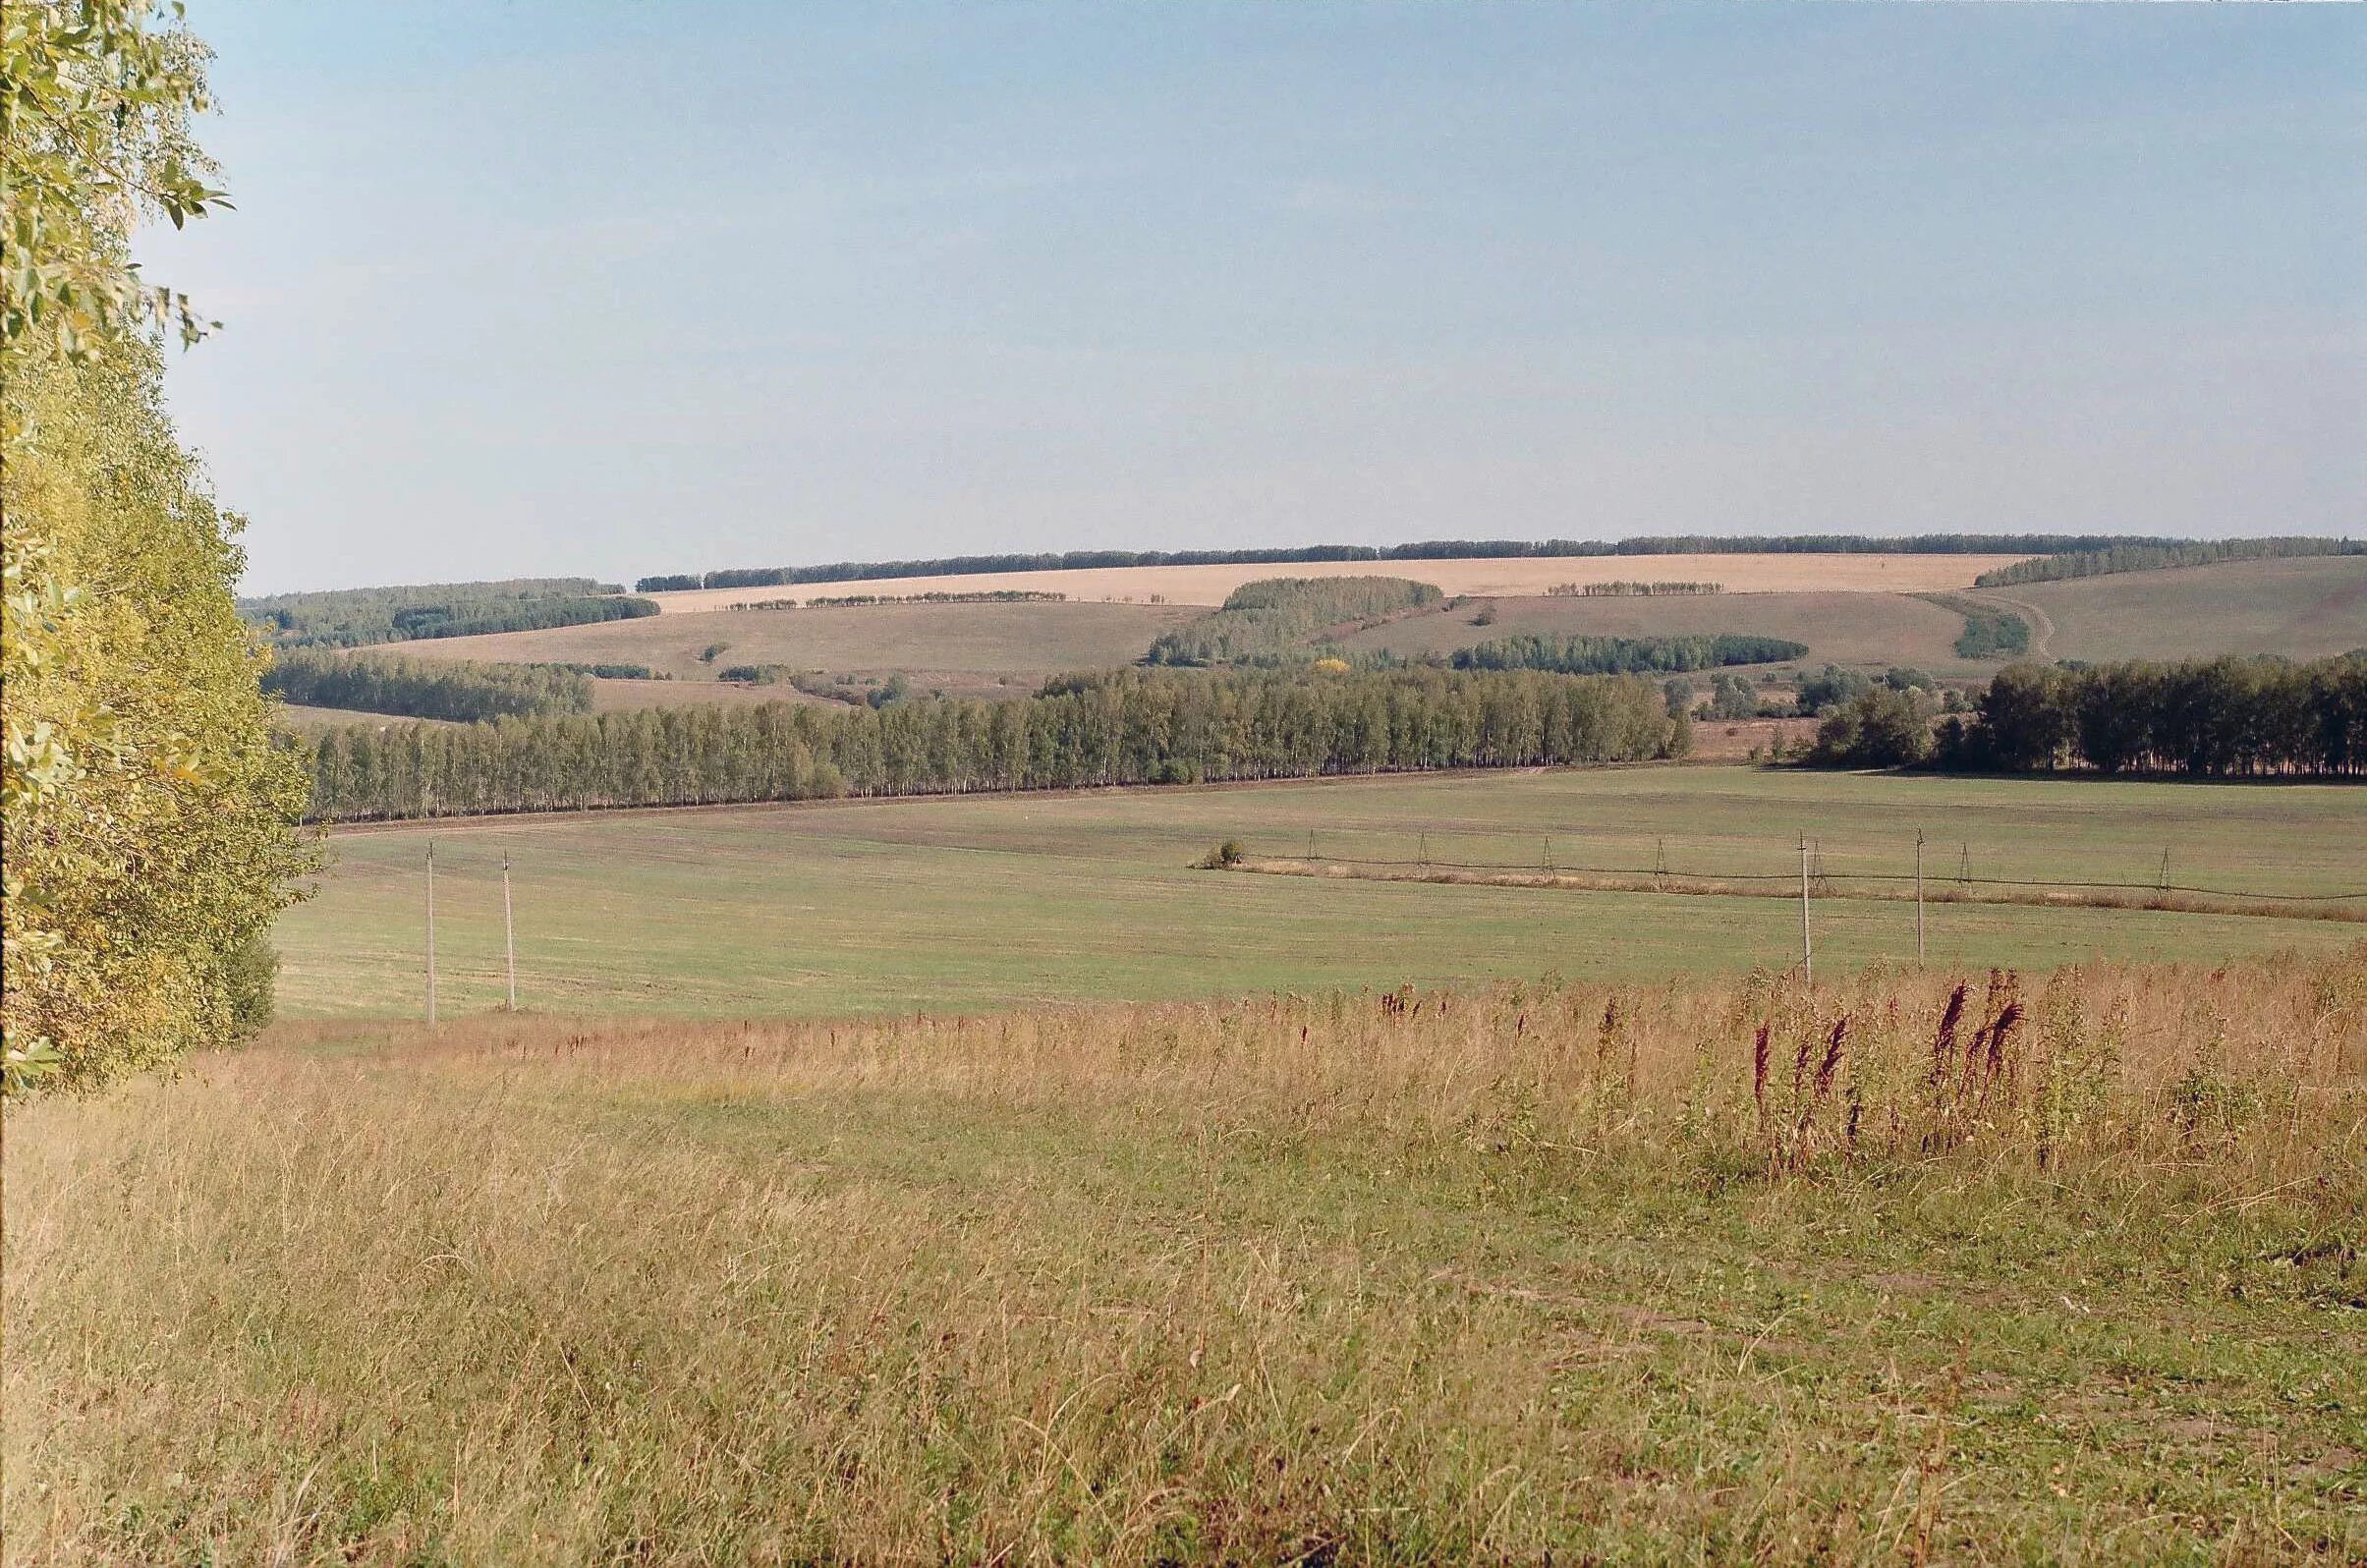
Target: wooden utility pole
{"type": "Point", "coordinates": [1919, 896]}
{"type": "Point", "coordinates": [1808, 954]}
{"type": "Point", "coordinates": [431, 933]}
{"type": "Point", "coordinates": [508, 931]}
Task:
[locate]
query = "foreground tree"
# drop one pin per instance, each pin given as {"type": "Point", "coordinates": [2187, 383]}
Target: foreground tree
{"type": "Point", "coordinates": [149, 816]}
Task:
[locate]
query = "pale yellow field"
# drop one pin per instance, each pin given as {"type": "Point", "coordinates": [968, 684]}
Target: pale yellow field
{"type": "Point", "coordinates": [1209, 585]}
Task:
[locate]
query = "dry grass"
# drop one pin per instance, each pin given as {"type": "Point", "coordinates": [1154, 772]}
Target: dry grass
{"type": "Point", "coordinates": [1513, 576]}
{"type": "Point", "coordinates": [1897, 891]}
{"type": "Point", "coordinates": [1403, 1277]}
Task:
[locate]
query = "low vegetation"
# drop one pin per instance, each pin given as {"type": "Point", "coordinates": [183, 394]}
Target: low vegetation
{"type": "Point", "coordinates": [1625, 656]}
{"type": "Point", "coordinates": [1123, 727]}
{"type": "Point", "coordinates": [1909, 1266]}
{"type": "Point", "coordinates": [2160, 555]}
{"type": "Point", "coordinates": [424, 688]}
{"type": "Point", "coordinates": [1266, 622]}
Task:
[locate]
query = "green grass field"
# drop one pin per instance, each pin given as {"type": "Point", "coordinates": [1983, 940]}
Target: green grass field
{"type": "Point", "coordinates": [986, 902]}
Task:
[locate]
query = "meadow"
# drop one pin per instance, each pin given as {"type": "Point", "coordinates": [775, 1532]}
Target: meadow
{"type": "Point", "coordinates": [2301, 608]}
{"type": "Point", "coordinates": [984, 902]}
{"type": "Point", "coordinates": [1935, 1266]}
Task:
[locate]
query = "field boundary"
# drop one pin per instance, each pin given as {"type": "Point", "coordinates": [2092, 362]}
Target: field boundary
{"type": "Point", "coordinates": [1876, 886]}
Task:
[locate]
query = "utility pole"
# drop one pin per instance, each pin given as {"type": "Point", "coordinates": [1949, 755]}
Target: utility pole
{"type": "Point", "coordinates": [508, 931]}
{"type": "Point", "coordinates": [431, 933]}
{"type": "Point", "coordinates": [1919, 897]}
{"type": "Point", "coordinates": [1808, 955]}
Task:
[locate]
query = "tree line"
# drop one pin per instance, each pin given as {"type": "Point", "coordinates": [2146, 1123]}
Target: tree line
{"type": "Point", "coordinates": [2160, 554]}
{"type": "Point", "coordinates": [1581, 654]}
{"type": "Point", "coordinates": [352, 617]}
{"type": "Point", "coordinates": [426, 688]}
{"type": "Point", "coordinates": [1110, 727]}
{"type": "Point", "coordinates": [1261, 621]}
{"type": "Point", "coordinates": [1426, 551]}
{"type": "Point", "coordinates": [2204, 718]}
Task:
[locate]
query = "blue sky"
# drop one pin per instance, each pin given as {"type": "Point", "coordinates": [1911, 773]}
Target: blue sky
{"type": "Point", "coordinates": [540, 288]}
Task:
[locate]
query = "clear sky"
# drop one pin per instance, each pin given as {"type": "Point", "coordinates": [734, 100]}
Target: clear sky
{"type": "Point", "coordinates": [540, 288]}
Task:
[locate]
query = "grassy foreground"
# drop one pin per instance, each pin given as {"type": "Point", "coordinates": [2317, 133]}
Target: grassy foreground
{"type": "Point", "coordinates": [1919, 1265]}
{"type": "Point", "coordinates": [1015, 901]}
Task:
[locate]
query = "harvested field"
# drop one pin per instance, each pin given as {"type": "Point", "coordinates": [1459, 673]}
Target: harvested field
{"type": "Point", "coordinates": [962, 643]}
{"type": "Point", "coordinates": [1840, 627]}
{"type": "Point", "coordinates": [1518, 575]}
{"type": "Point", "coordinates": [626, 697]}
{"type": "Point", "coordinates": [302, 719]}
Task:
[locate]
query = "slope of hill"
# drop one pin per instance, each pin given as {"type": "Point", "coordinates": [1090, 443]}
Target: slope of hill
{"type": "Point", "coordinates": [963, 648]}
{"type": "Point", "coordinates": [2301, 608]}
{"type": "Point", "coordinates": [1841, 628]}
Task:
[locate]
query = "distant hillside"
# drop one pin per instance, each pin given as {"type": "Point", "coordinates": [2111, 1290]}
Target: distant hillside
{"type": "Point", "coordinates": [2157, 557]}
{"type": "Point", "coordinates": [353, 617]}
{"type": "Point", "coordinates": [2301, 608]}
{"type": "Point", "coordinates": [1426, 551]}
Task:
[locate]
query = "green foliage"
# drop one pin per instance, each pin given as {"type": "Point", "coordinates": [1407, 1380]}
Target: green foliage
{"type": "Point", "coordinates": [2205, 718]}
{"type": "Point", "coordinates": [2160, 555]}
{"type": "Point", "coordinates": [249, 974]}
{"type": "Point", "coordinates": [1831, 687]}
{"type": "Point", "coordinates": [1884, 727]}
{"type": "Point", "coordinates": [1581, 654]}
{"type": "Point", "coordinates": [1223, 857]}
{"type": "Point", "coordinates": [1261, 623]}
{"type": "Point", "coordinates": [426, 689]}
{"type": "Point", "coordinates": [1991, 630]}
{"type": "Point", "coordinates": [1109, 727]}
{"type": "Point", "coordinates": [1731, 697]}
{"type": "Point", "coordinates": [149, 813]}
{"type": "Point", "coordinates": [356, 617]}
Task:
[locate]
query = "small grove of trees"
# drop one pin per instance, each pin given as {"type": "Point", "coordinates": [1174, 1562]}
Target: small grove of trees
{"type": "Point", "coordinates": [1625, 656]}
{"type": "Point", "coordinates": [353, 617]}
{"type": "Point", "coordinates": [1110, 727]}
{"type": "Point", "coordinates": [1991, 630]}
{"type": "Point", "coordinates": [2206, 718]}
{"type": "Point", "coordinates": [2160, 554]}
{"type": "Point", "coordinates": [427, 689]}
{"type": "Point", "coordinates": [1630, 589]}
{"type": "Point", "coordinates": [1262, 621]}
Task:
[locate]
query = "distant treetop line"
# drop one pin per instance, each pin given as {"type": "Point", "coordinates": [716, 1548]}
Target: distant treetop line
{"type": "Point", "coordinates": [1426, 551]}
{"type": "Point", "coordinates": [2156, 557]}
